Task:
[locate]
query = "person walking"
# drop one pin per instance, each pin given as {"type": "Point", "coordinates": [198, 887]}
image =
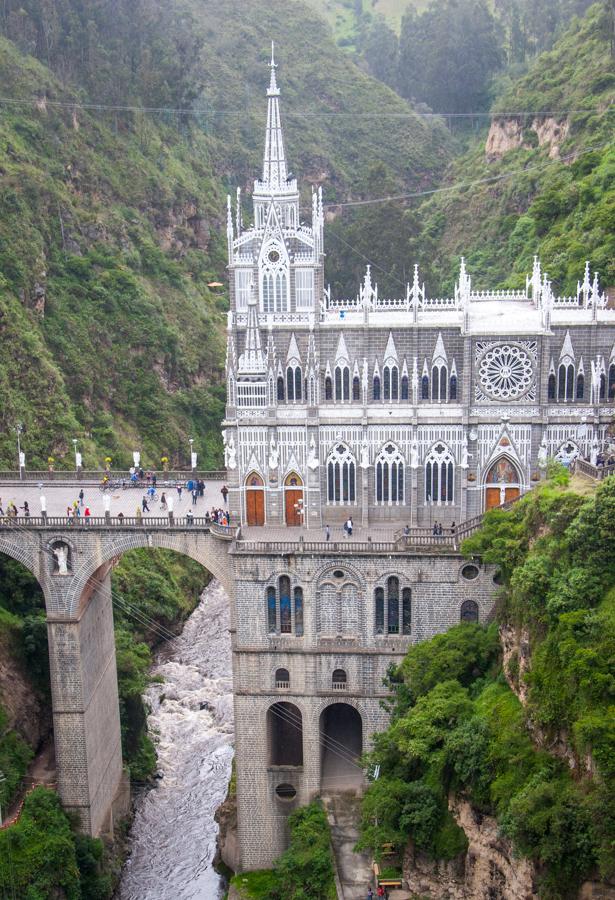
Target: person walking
{"type": "Point", "coordinates": [154, 480]}
{"type": "Point", "coordinates": [144, 506]}
{"type": "Point", "coordinates": [81, 497]}
{"type": "Point", "coordinates": [163, 502]}
{"type": "Point", "coordinates": [224, 492]}
{"type": "Point", "coordinates": [195, 496]}
{"type": "Point", "coordinates": [180, 488]}
{"type": "Point", "coordinates": [26, 509]}
{"type": "Point", "coordinates": [350, 526]}
{"type": "Point", "coordinates": [189, 517]}
{"type": "Point", "coordinates": [370, 894]}
{"type": "Point", "coordinates": [327, 533]}
{"type": "Point", "coordinates": [87, 514]}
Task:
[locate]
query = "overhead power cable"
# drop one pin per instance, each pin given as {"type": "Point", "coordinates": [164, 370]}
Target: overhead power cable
{"type": "Point", "coordinates": [300, 114]}
{"type": "Point", "coordinates": [464, 185]}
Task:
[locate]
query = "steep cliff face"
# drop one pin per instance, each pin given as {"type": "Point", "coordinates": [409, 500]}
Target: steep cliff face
{"type": "Point", "coordinates": [510, 134]}
{"type": "Point", "coordinates": [27, 714]}
{"type": "Point", "coordinates": [487, 871]}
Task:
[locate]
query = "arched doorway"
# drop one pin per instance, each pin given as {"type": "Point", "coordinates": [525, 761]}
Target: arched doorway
{"type": "Point", "coordinates": [284, 735]}
{"type": "Point", "coordinates": [293, 499]}
{"type": "Point", "coordinates": [502, 484]}
{"type": "Point", "coordinates": [255, 500]}
{"type": "Point", "coordinates": [341, 746]}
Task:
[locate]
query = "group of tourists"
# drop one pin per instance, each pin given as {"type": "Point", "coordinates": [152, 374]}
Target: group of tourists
{"type": "Point", "coordinates": [11, 509]}
{"type": "Point", "coordinates": [438, 528]}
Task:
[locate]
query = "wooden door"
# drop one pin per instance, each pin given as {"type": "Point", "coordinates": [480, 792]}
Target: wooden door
{"type": "Point", "coordinates": [511, 494]}
{"type": "Point", "coordinates": [294, 502]}
{"type": "Point", "coordinates": [492, 497]}
{"type": "Point", "coordinates": [255, 506]}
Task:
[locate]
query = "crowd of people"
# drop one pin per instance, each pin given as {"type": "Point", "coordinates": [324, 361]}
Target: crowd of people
{"type": "Point", "coordinates": [78, 511]}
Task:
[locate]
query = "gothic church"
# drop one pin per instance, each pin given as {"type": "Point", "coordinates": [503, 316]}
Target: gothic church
{"type": "Point", "coordinates": [411, 409]}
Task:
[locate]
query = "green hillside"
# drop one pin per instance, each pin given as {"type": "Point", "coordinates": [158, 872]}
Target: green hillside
{"type": "Point", "coordinates": [528, 740]}
{"type": "Point", "coordinates": [501, 208]}
{"type": "Point", "coordinates": [112, 222]}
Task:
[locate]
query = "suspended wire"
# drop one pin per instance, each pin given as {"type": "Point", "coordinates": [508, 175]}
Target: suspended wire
{"type": "Point", "coordinates": [298, 721]}
{"type": "Point", "coordinates": [464, 185]}
{"type": "Point", "coordinates": [324, 740]}
{"type": "Point", "coordinates": [301, 114]}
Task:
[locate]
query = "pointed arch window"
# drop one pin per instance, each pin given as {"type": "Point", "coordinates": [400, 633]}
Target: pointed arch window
{"type": "Point", "coordinates": [392, 608]}
{"type": "Point", "coordinates": [299, 611]}
{"type": "Point", "coordinates": [356, 388]}
{"type": "Point", "coordinates": [439, 475]}
{"type": "Point", "coordinates": [452, 390]}
{"type": "Point", "coordinates": [281, 394]}
{"type": "Point", "coordinates": [602, 386]}
{"type": "Point", "coordinates": [376, 387]}
{"type": "Point", "coordinates": [404, 387]}
{"type": "Point", "coordinates": [390, 379]}
{"type": "Point", "coordinates": [281, 292]}
{"type": "Point", "coordinates": [551, 387]}
{"type": "Point", "coordinates": [612, 381]}
{"type": "Point", "coordinates": [566, 382]}
{"type": "Point", "coordinates": [580, 386]}
{"type": "Point", "coordinates": [268, 293]}
{"type": "Point", "coordinates": [341, 475]}
{"type": "Point", "coordinates": [439, 380]}
{"type": "Point", "coordinates": [293, 383]}
{"type": "Point", "coordinates": [342, 384]}
{"type": "Point", "coordinates": [425, 387]}
{"type": "Point", "coordinates": [328, 388]}
{"type": "Point", "coordinates": [389, 475]}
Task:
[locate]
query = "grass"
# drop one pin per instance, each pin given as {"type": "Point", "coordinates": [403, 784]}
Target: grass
{"type": "Point", "coordinates": [254, 885]}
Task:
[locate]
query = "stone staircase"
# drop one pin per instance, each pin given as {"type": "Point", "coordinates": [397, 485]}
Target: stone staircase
{"type": "Point", "coordinates": [353, 869]}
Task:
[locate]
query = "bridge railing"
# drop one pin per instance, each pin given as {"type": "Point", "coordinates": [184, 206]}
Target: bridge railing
{"type": "Point", "coordinates": [20, 523]}
{"type": "Point", "coordinates": [97, 475]}
{"type": "Point", "coordinates": [596, 472]}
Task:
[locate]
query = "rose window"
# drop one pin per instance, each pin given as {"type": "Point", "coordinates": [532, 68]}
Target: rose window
{"type": "Point", "coordinates": [506, 372]}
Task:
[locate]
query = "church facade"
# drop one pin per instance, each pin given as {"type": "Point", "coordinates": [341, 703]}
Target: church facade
{"type": "Point", "coordinates": [413, 409]}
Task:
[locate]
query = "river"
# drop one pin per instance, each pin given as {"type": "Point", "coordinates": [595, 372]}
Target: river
{"type": "Point", "coordinates": [173, 836]}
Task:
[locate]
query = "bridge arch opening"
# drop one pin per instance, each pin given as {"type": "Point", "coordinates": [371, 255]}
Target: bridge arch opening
{"type": "Point", "coordinates": [24, 681]}
{"type": "Point", "coordinates": [284, 735]}
{"type": "Point", "coordinates": [341, 746]}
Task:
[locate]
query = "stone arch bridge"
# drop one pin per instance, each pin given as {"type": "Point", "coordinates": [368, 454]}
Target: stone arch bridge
{"type": "Point", "coordinates": [73, 567]}
{"type": "Point", "coordinates": [315, 626]}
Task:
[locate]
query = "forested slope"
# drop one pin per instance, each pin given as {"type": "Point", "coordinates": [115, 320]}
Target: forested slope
{"type": "Point", "coordinates": [536, 183]}
{"type": "Point", "coordinates": [519, 729]}
{"type": "Point", "coordinates": [112, 221]}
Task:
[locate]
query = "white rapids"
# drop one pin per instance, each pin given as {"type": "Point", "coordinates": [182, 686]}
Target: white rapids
{"type": "Point", "coordinates": [173, 836]}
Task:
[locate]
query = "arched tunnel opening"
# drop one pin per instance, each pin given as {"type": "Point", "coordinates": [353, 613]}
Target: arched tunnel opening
{"type": "Point", "coordinates": [341, 746]}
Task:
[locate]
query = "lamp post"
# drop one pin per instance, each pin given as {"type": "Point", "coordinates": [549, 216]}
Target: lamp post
{"type": "Point", "coordinates": [21, 457]}
{"type": "Point", "coordinates": [192, 454]}
{"type": "Point", "coordinates": [78, 457]}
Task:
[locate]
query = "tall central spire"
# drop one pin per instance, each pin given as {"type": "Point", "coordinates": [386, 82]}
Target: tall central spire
{"type": "Point", "coordinates": [274, 162]}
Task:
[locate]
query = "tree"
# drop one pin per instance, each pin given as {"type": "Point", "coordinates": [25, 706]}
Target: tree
{"type": "Point", "coordinates": [448, 54]}
{"type": "Point", "coordinates": [380, 48]}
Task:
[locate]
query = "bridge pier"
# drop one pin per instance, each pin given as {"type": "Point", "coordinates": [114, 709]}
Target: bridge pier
{"type": "Point", "coordinates": [85, 709]}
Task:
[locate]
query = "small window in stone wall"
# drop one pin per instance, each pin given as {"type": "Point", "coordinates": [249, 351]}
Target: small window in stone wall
{"type": "Point", "coordinates": [286, 792]}
{"type": "Point", "coordinates": [339, 680]}
{"type": "Point", "coordinates": [470, 572]}
{"type": "Point", "coordinates": [282, 678]}
{"type": "Point", "coordinates": [469, 611]}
